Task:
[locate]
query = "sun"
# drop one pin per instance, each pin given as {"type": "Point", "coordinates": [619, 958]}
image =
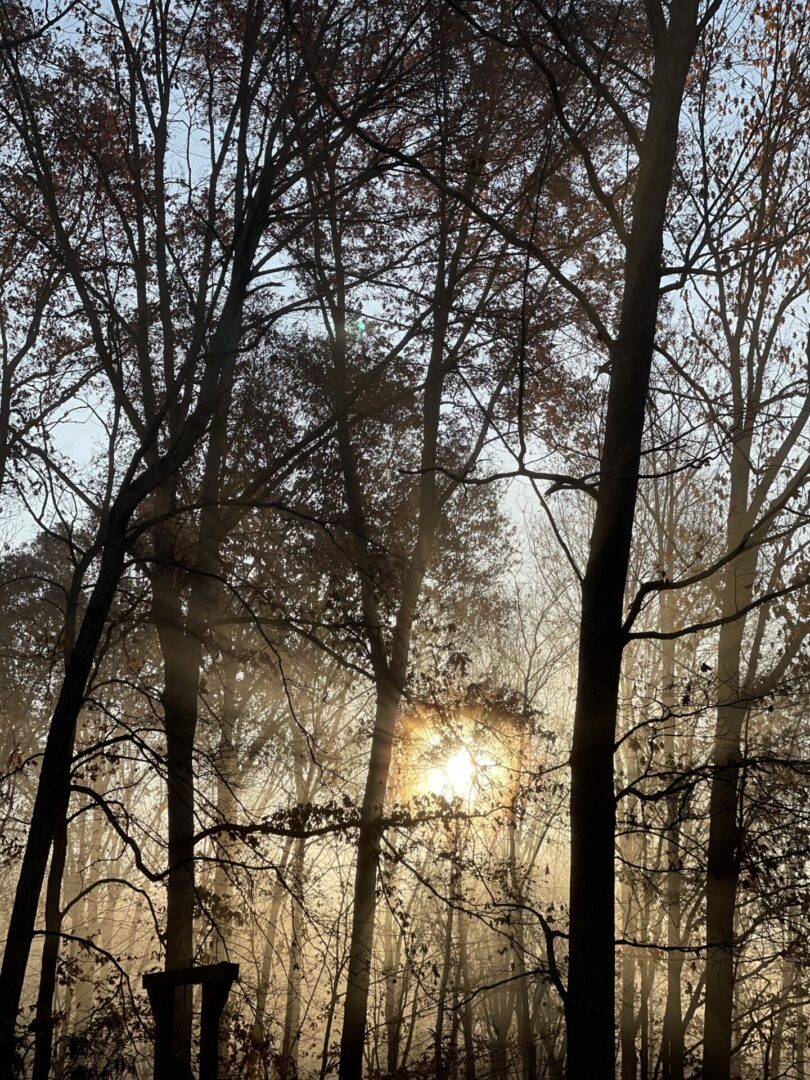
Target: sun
{"type": "Point", "coordinates": [456, 778]}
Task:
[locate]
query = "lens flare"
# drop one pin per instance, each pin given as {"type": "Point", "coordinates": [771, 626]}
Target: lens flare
{"type": "Point", "coordinates": [455, 778]}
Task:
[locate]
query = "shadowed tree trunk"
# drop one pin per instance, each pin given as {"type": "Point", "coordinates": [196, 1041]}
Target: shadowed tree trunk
{"type": "Point", "coordinates": [673, 1029]}
{"type": "Point", "coordinates": [439, 1055]}
{"type": "Point", "coordinates": [292, 1015]}
{"type": "Point", "coordinates": [801, 1043]}
{"type": "Point", "coordinates": [182, 637]}
{"type": "Point", "coordinates": [725, 841]}
{"type": "Point", "coordinates": [258, 1035]}
{"type": "Point", "coordinates": [590, 998]}
{"type": "Point", "coordinates": [627, 1011]}
{"type": "Point", "coordinates": [782, 1004]}
{"type": "Point", "coordinates": [466, 989]}
{"type": "Point", "coordinates": [44, 1023]}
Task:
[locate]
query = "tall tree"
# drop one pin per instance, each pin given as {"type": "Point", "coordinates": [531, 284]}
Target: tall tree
{"type": "Point", "coordinates": [152, 285]}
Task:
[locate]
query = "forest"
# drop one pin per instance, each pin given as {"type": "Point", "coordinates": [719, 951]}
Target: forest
{"type": "Point", "coordinates": [404, 539]}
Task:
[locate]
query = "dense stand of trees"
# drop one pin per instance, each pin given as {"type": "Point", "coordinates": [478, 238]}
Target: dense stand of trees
{"type": "Point", "coordinates": [405, 590]}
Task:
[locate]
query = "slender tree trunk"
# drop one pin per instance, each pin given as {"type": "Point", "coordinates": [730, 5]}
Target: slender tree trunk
{"type": "Point", "coordinates": [86, 985]}
{"type": "Point", "coordinates": [590, 1000]}
{"type": "Point", "coordinates": [628, 976]}
{"type": "Point", "coordinates": [672, 1037]}
{"type": "Point", "coordinates": [498, 1058]}
{"type": "Point", "coordinates": [724, 850]}
{"type": "Point", "coordinates": [801, 1043]}
{"type": "Point", "coordinates": [390, 668]}
{"type": "Point", "coordinates": [259, 1039]}
{"type": "Point", "coordinates": [439, 1057]}
{"type": "Point", "coordinates": [455, 1022]}
{"type": "Point", "coordinates": [782, 1003]}
{"type": "Point", "coordinates": [182, 658]}
{"type": "Point", "coordinates": [646, 985]}
{"type": "Point", "coordinates": [721, 895]}
{"type": "Point", "coordinates": [227, 806]}
{"type": "Point", "coordinates": [60, 1058]}
{"type": "Point", "coordinates": [365, 883]}
{"type": "Point", "coordinates": [44, 1022]}
{"type": "Point", "coordinates": [647, 960]}
{"type": "Point", "coordinates": [292, 1016]}
{"type": "Point", "coordinates": [406, 1049]}
{"type": "Point", "coordinates": [466, 986]}
{"type": "Point", "coordinates": [528, 1049]}
{"type": "Point", "coordinates": [227, 803]}
{"type": "Point", "coordinates": [330, 1019]}
{"type": "Point", "coordinates": [393, 992]}
{"type": "Point", "coordinates": [258, 1034]}
{"type": "Point", "coordinates": [181, 644]}
{"type": "Point", "coordinates": [72, 886]}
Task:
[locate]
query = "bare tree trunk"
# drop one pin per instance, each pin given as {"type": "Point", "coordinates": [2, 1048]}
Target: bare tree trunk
{"type": "Point", "coordinates": [590, 1000]}
{"type": "Point", "coordinates": [258, 1036]}
{"type": "Point", "coordinates": [466, 1009]}
{"type": "Point", "coordinates": [801, 1043]}
{"type": "Point", "coordinates": [439, 1057]}
{"type": "Point", "coordinates": [292, 1016]}
{"type": "Point", "coordinates": [72, 887]}
{"type": "Point", "coordinates": [181, 640]}
{"type": "Point", "coordinates": [227, 804]}
{"type": "Point", "coordinates": [724, 851]}
{"type": "Point", "coordinates": [44, 1022]}
{"type": "Point", "coordinates": [672, 1047]}
{"type": "Point", "coordinates": [392, 975]}
{"type": "Point", "coordinates": [647, 961]}
{"type": "Point", "coordinates": [365, 883]}
{"type": "Point", "coordinates": [782, 1004]}
{"type": "Point", "coordinates": [406, 1050]}
{"type": "Point", "coordinates": [86, 985]}
{"type": "Point", "coordinates": [330, 1017]}
{"type": "Point", "coordinates": [390, 660]}
{"type": "Point", "coordinates": [528, 1050]}
{"type": "Point", "coordinates": [182, 657]}
{"type": "Point", "coordinates": [628, 977]}
{"type": "Point", "coordinates": [646, 984]}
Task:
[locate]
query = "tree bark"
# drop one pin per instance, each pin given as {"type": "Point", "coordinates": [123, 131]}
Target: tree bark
{"type": "Point", "coordinates": [365, 883]}
{"type": "Point", "coordinates": [292, 1015]}
{"type": "Point", "coordinates": [590, 1000]}
{"type": "Point", "coordinates": [782, 1003]}
{"type": "Point", "coordinates": [673, 1029]}
{"type": "Point", "coordinates": [393, 1002]}
{"type": "Point", "coordinates": [439, 1056]}
{"type": "Point", "coordinates": [627, 1013]}
{"type": "Point", "coordinates": [182, 658]}
{"type": "Point", "coordinates": [466, 1009]}
{"type": "Point", "coordinates": [724, 849]}
{"type": "Point", "coordinates": [44, 1022]}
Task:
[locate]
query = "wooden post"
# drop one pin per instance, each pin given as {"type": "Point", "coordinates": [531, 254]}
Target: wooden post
{"type": "Point", "coordinates": [216, 981]}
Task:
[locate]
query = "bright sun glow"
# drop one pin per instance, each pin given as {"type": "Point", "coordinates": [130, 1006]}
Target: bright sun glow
{"type": "Point", "coordinates": [456, 778]}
